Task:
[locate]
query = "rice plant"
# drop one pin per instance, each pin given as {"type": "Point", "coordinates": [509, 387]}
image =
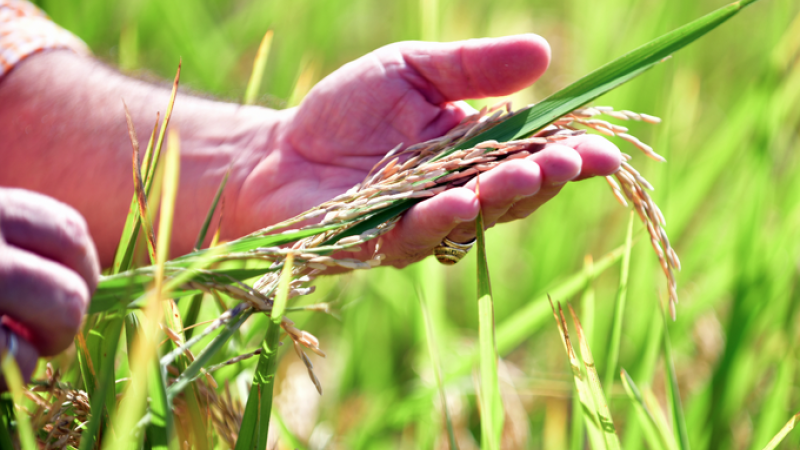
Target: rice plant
{"type": "Point", "coordinates": [191, 322]}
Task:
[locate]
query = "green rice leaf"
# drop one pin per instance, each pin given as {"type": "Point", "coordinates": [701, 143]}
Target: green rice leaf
{"type": "Point", "coordinates": [655, 438]}
{"type": "Point", "coordinates": [778, 400]}
{"type": "Point", "coordinates": [437, 370]}
{"type": "Point", "coordinates": [138, 187]}
{"type": "Point", "coordinates": [588, 408]}
{"type": "Point", "coordinates": [103, 349]}
{"type": "Point", "coordinates": [588, 319]}
{"type": "Point", "coordinates": [672, 386]}
{"type": "Point", "coordinates": [773, 444]}
{"type": "Point", "coordinates": [606, 78]}
{"type": "Point", "coordinates": [491, 405]}
{"type": "Point", "coordinates": [13, 379]}
{"type": "Point", "coordinates": [5, 426]}
{"type": "Point", "coordinates": [600, 402]}
{"type": "Point", "coordinates": [619, 311]}
{"type": "Point", "coordinates": [203, 358]}
{"type": "Point", "coordinates": [204, 229]}
{"type": "Point", "coordinates": [255, 421]}
{"type": "Point", "coordinates": [148, 168]}
{"type": "Point", "coordinates": [130, 232]}
{"type": "Point", "coordinates": [287, 436]}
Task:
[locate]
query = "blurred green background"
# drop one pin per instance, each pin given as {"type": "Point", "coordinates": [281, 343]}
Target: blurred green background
{"type": "Point", "coordinates": [730, 193]}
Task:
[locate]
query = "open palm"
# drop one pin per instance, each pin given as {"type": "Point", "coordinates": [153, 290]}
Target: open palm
{"type": "Point", "coordinates": [407, 93]}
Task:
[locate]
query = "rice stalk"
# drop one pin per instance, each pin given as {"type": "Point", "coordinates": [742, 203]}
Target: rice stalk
{"type": "Point", "coordinates": [13, 379]}
{"type": "Point", "coordinates": [433, 352]}
{"type": "Point", "coordinates": [782, 434]}
{"type": "Point", "coordinates": [619, 312]}
{"type": "Point", "coordinates": [491, 405]}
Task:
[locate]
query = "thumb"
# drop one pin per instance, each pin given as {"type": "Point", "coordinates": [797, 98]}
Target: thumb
{"type": "Point", "coordinates": [475, 68]}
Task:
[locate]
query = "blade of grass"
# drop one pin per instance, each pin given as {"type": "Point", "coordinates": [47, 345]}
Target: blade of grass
{"type": "Point", "coordinates": [588, 409]}
{"type": "Point", "coordinates": [191, 315]}
{"type": "Point", "coordinates": [518, 326]}
{"type": "Point", "coordinates": [588, 311]}
{"type": "Point", "coordinates": [194, 369]}
{"type": "Point", "coordinates": [138, 187]}
{"type": "Point", "coordinates": [672, 387]}
{"type": "Point", "coordinates": [146, 374]}
{"type": "Point", "coordinates": [286, 434]}
{"type": "Point", "coordinates": [160, 430]}
{"type": "Point", "coordinates": [169, 195]}
{"type": "Point", "coordinates": [152, 155]}
{"type": "Point", "coordinates": [148, 168]}
{"type": "Point", "coordinates": [132, 406]}
{"type": "Point", "coordinates": [777, 401]}
{"type": "Point", "coordinates": [130, 232]}
{"type": "Point", "coordinates": [204, 229]}
{"type": "Point", "coordinates": [660, 419]}
{"type": "Point", "coordinates": [101, 398]}
{"type": "Point", "coordinates": [5, 428]}
{"type": "Point", "coordinates": [773, 444]}
{"type": "Point", "coordinates": [87, 371]}
{"type": "Point", "coordinates": [492, 413]}
{"type": "Point", "coordinates": [255, 421]}
{"type": "Point", "coordinates": [437, 370]}
{"type": "Point", "coordinates": [655, 439]}
{"type": "Point", "coordinates": [259, 64]}
{"type": "Point", "coordinates": [512, 332]}
{"type": "Point", "coordinates": [603, 413]}
{"type": "Point", "coordinates": [607, 77]}
{"type": "Point", "coordinates": [619, 311]}
{"type": "Point", "coordinates": [16, 386]}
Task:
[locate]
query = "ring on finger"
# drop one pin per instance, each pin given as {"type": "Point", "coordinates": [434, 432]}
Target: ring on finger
{"type": "Point", "coordinates": [449, 252]}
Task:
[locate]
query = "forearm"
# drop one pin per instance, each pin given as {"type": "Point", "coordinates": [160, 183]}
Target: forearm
{"type": "Point", "coordinates": [63, 133]}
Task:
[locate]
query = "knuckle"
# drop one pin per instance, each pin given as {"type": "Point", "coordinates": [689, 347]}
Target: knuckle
{"type": "Point", "coordinates": [517, 214]}
{"type": "Point", "coordinates": [72, 303]}
{"type": "Point", "coordinates": [75, 228]}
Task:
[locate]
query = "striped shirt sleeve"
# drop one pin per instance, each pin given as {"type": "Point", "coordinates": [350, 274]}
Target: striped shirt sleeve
{"type": "Point", "coordinates": [25, 30]}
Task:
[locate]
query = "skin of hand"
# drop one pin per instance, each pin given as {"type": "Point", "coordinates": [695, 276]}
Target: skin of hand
{"type": "Point", "coordinates": [62, 120]}
{"type": "Point", "coordinates": [48, 271]}
{"type": "Point", "coordinates": [410, 92]}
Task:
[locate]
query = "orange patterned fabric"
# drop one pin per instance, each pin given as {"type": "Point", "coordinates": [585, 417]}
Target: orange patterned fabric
{"type": "Point", "coordinates": [25, 30]}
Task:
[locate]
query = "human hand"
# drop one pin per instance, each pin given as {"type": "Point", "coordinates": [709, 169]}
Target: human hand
{"type": "Point", "coordinates": [48, 271]}
{"type": "Point", "coordinates": [409, 92]}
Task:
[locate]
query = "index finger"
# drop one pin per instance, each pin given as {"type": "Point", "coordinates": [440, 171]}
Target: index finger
{"type": "Point", "coordinates": [49, 228]}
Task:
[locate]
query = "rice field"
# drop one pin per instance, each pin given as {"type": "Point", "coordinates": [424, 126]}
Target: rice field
{"type": "Point", "coordinates": [721, 376]}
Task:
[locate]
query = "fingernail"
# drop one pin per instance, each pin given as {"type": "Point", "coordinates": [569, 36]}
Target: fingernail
{"type": "Point", "coordinates": [461, 219]}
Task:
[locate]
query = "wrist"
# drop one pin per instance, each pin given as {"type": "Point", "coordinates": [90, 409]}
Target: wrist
{"type": "Point", "coordinates": [258, 136]}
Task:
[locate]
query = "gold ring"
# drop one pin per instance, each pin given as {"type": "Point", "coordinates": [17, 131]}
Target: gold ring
{"type": "Point", "coordinates": [449, 252]}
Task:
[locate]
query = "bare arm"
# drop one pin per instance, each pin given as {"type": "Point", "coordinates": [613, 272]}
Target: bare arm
{"type": "Point", "coordinates": [63, 133]}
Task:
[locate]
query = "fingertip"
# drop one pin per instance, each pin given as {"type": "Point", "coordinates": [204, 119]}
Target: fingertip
{"type": "Point", "coordinates": [507, 64]}
{"type": "Point", "coordinates": [559, 163]}
{"type": "Point", "coordinates": [600, 156]}
{"type": "Point", "coordinates": [426, 223]}
{"type": "Point", "coordinates": [517, 178]}
{"type": "Point", "coordinates": [458, 204]}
